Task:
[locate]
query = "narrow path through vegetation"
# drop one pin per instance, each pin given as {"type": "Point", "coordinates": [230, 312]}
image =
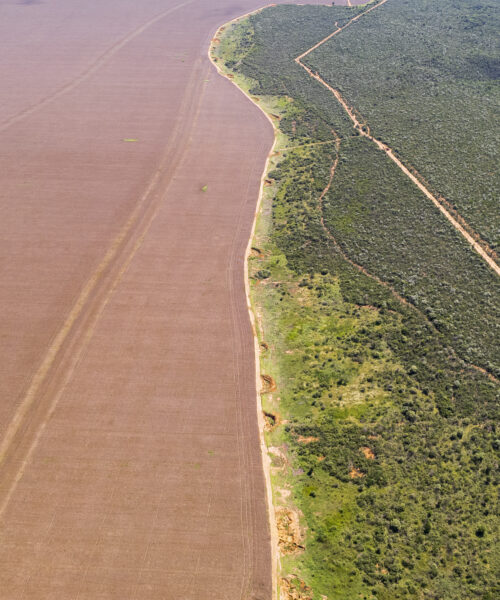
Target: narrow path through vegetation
{"type": "Point", "coordinates": [479, 245]}
{"type": "Point", "coordinates": [331, 238]}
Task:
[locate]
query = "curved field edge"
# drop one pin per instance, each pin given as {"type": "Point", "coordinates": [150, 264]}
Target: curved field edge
{"type": "Point", "coordinates": [355, 417]}
{"type": "Point", "coordinates": [268, 107]}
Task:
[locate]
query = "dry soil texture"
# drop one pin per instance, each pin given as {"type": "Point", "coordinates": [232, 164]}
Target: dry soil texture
{"type": "Point", "coordinates": [130, 465]}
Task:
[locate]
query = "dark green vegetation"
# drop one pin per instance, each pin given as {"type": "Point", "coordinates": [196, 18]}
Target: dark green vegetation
{"type": "Point", "coordinates": [385, 224]}
{"type": "Point", "coordinates": [427, 82]}
{"type": "Point", "coordinates": [399, 475]}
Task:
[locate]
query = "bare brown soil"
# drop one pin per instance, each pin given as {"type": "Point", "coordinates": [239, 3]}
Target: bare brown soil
{"type": "Point", "coordinates": [293, 588]}
{"type": "Point", "coordinates": [368, 452]}
{"type": "Point", "coordinates": [130, 462]}
{"type": "Point", "coordinates": [268, 383]}
{"type": "Point", "coordinates": [355, 473]}
{"type": "Point", "coordinates": [289, 533]}
{"type": "Point", "coordinates": [307, 440]}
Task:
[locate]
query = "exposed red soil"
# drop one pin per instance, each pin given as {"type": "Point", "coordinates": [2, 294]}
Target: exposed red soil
{"type": "Point", "coordinates": [368, 453]}
{"type": "Point", "coordinates": [289, 532]}
{"type": "Point", "coordinates": [268, 383]}
{"type": "Point", "coordinates": [307, 440]}
{"type": "Point", "coordinates": [355, 473]}
{"type": "Point", "coordinates": [293, 588]}
{"type": "Point", "coordinates": [130, 462]}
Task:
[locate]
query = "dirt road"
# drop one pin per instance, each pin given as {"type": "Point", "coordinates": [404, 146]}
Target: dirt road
{"type": "Point", "coordinates": [457, 221]}
{"type": "Point", "coordinates": [130, 464]}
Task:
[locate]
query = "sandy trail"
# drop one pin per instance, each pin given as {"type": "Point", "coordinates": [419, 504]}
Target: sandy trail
{"type": "Point", "coordinates": [472, 238]}
{"type": "Point", "coordinates": [130, 463]}
{"type": "Point", "coordinates": [361, 269]}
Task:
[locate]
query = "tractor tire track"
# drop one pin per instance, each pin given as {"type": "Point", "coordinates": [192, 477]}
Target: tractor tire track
{"type": "Point", "coordinates": [87, 73]}
{"type": "Point", "coordinates": [65, 350]}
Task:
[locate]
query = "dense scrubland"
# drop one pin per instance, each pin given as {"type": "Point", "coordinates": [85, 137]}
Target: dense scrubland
{"type": "Point", "coordinates": [374, 316]}
{"type": "Point", "coordinates": [426, 81]}
{"type": "Point", "coordinates": [387, 225]}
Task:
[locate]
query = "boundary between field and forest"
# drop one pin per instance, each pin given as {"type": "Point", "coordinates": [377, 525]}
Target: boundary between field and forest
{"type": "Point", "coordinates": [456, 220]}
{"type": "Point", "coordinates": [266, 461]}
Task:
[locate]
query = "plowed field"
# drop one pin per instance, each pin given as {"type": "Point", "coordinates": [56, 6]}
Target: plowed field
{"type": "Point", "coordinates": [130, 465]}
